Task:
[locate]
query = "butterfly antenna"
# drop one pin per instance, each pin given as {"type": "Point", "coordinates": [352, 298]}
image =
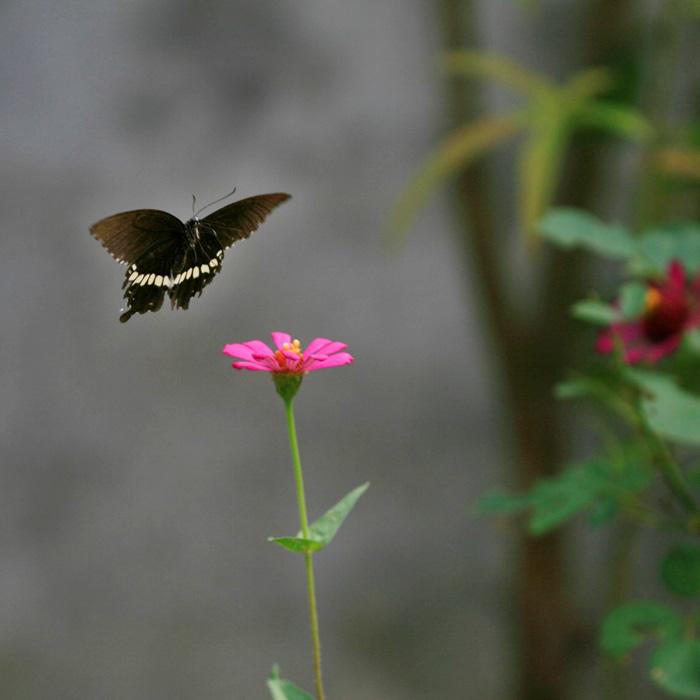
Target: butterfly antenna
{"type": "Point", "coordinates": [194, 204]}
{"type": "Point", "coordinates": [216, 201]}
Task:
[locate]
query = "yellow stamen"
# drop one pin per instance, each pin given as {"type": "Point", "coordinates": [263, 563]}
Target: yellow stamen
{"type": "Point", "coordinates": [652, 299]}
{"type": "Point", "coordinates": [294, 346]}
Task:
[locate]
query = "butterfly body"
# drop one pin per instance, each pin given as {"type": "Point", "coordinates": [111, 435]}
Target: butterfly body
{"type": "Point", "coordinates": [168, 256]}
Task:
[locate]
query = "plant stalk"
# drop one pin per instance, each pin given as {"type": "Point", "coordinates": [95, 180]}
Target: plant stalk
{"type": "Point", "coordinates": [311, 589]}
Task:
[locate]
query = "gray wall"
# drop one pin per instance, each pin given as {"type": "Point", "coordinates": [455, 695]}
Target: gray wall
{"type": "Point", "coordinates": [141, 475]}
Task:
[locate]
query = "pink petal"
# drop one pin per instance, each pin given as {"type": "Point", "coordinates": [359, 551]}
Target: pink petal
{"type": "Point", "coordinates": [341, 358]}
{"type": "Point", "coordinates": [253, 366]}
{"type": "Point", "coordinates": [279, 339]}
{"type": "Point", "coordinates": [247, 350]}
{"type": "Point", "coordinates": [676, 274]}
{"type": "Point", "coordinates": [316, 346]}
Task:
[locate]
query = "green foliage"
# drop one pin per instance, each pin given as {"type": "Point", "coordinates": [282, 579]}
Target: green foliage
{"type": "Point", "coordinates": [323, 530]}
{"type": "Point", "coordinates": [632, 624]}
{"type": "Point", "coordinates": [675, 667]}
{"type": "Point", "coordinates": [680, 570]}
{"type": "Point", "coordinates": [658, 247]}
{"type": "Point", "coordinates": [595, 311]}
{"type": "Point", "coordinates": [552, 115]}
{"type": "Point", "coordinates": [570, 228]}
{"type": "Point", "coordinates": [675, 663]}
{"type": "Point", "coordinates": [284, 690]}
{"type": "Point", "coordinates": [648, 254]}
{"type": "Point", "coordinates": [457, 153]}
{"type": "Point", "coordinates": [671, 411]}
{"type": "Point", "coordinates": [599, 486]}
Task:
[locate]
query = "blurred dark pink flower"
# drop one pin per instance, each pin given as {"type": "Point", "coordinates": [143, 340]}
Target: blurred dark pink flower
{"type": "Point", "coordinates": [288, 358]}
{"type": "Point", "coordinates": [671, 307]}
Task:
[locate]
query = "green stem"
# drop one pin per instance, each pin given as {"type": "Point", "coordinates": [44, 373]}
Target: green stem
{"type": "Point", "coordinates": [311, 589]}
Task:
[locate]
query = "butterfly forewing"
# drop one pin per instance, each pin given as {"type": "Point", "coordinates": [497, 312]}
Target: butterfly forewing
{"type": "Point", "coordinates": [238, 220]}
{"type": "Point", "coordinates": [166, 255]}
{"type": "Point", "coordinates": [131, 234]}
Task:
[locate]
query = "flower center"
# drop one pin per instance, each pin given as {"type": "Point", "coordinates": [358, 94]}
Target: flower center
{"type": "Point", "coordinates": [295, 347]}
{"type": "Point", "coordinates": [665, 313]}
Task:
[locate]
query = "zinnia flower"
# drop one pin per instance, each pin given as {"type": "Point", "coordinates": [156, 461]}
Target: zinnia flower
{"type": "Point", "coordinates": [671, 307]}
{"type": "Point", "coordinates": [288, 358]}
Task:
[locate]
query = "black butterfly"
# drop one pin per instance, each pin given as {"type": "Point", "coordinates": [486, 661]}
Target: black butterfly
{"type": "Point", "coordinates": [166, 255]}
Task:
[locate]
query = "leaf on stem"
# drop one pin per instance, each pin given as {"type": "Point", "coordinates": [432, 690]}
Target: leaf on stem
{"type": "Point", "coordinates": [323, 530]}
{"type": "Point", "coordinates": [284, 690]}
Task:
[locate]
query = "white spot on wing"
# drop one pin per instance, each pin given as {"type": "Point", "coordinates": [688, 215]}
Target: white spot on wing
{"type": "Point", "coordinates": [195, 272]}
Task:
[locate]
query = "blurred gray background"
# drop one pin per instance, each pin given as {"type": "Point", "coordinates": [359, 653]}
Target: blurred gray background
{"type": "Point", "coordinates": [141, 475]}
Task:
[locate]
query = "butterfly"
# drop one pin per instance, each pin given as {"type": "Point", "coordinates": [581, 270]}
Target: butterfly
{"type": "Point", "coordinates": [168, 256]}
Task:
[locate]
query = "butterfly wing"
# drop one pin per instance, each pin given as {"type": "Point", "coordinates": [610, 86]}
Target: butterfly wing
{"type": "Point", "coordinates": [238, 220]}
{"type": "Point", "coordinates": [196, 267]}
{"type": "Point", "coordinates": [131, 234]}
{"type": "Point", "coordinates": [212, 235]}
{"type": "Point", "coordinates": [150, 240]}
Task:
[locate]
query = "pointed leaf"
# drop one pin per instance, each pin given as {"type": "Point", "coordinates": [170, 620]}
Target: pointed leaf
{"type": "Point", "coordinates": [675, 666]}
{"type": "Point", "coordinates": [324, 529]}
{"type": "Point", "coordinates": [284, 690]}
{"type": "Point", "coordinates": [297, 544]}
{"type": "Point", "coordinates": [539, 162]}
{"type": "Point", "coordinates": [487, 65]}
{"type": "Point", "coordinates": [618, 119]}
{"type": "Point", "coordinates": [455, 154]}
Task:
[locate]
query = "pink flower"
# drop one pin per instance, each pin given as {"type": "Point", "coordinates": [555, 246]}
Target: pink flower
{"type": "Point", "coordinates": [671, 307]}
{"type": "Point", "coordinates": [288, 359]}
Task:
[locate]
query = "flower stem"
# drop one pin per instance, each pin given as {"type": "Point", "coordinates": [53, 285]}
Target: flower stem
{"type": "Point", "coordinates": [307, 555]}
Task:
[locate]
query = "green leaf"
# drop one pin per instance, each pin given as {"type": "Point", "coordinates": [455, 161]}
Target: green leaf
{"type": "Point", "coordinates": [595, 311]}
{"type": "Point", "coordinates": [488, 65]}
{"type": "Point", "coordinates": [658, 247]}
{"type": "Point", "coordinates": [503, 503]}
{"type": "Point", "coordinates": [632, 299]}
{"type": "Point", "coordinates": [539, 161]}
{"type": "Point", "coordinates": [569, 227]}
{"type": "Point", "coordinates": [631, 624]}
{"type": "Point", "coordinates": [670, 410]}
{"type": "Point", "coordinates": [675, 666]}
{"type": "Point", "coordinates": [618, 119]}
{"type": "Point", "coordinates": [680, 570]}
{"type": "Point", "coordinates": [297, 544]}
{"type": "Point", "coordinates": [323, 530]}
{"type": "Point", "coordinates": [284, 690]}
{"type": "Point", "coordinates": [455, 154]}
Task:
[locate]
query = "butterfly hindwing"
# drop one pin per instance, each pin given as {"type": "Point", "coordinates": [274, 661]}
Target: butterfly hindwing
{"type": "Point", "coordinates": [197, 268]}
{"type": "Point", "coordinates": [149, 278]}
